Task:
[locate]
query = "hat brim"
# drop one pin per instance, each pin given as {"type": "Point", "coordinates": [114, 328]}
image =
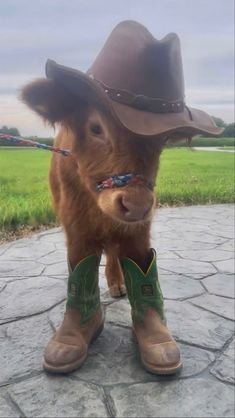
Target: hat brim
{"type": "Point", "coordinates": [137, 121]}
{"type": "Point", "coordinates": [149, 124]}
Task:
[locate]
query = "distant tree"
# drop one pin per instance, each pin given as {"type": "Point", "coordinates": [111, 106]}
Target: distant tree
{"type": "Point", "coordinates": [219, 122]}
{"type": "Point", "coordinates": [229, 130]}
{"type": "Point", "coordinates": [10, 131]}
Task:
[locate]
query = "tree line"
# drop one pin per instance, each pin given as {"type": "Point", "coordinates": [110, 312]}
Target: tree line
{"type": "Point", "coordinates": [229, 132]}
{"type": "Point", "coordinates": [229, 128]}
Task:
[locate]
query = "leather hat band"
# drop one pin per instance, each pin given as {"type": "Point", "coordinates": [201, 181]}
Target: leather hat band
{"type": "Point", "coordinates": [141, 102]}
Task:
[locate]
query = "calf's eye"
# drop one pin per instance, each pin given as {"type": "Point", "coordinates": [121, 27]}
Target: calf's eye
{"type": "Point", "coordinates": [96, 129]}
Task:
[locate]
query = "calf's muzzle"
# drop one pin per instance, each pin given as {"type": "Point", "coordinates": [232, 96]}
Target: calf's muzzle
{"type": "Point", "coordinates": [134, 211]}
{"type": "Point", "coordinates": [127, 197]}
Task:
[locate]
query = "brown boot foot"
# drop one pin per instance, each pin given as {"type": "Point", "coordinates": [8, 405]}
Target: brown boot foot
{"type": "Point", "coordinates": [159, 352]}
{"type": "Point", "coordinates": [68, 348]}
{"type": "Point", "coordinates": [162, 359]}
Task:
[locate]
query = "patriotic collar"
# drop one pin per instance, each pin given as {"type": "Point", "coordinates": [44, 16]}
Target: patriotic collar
{"type": "Point", "coordinates": [122, 180]}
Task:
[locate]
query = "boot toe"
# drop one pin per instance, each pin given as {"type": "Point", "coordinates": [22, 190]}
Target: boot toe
{"type": "Point", "coordinates": [58, 354]}
{"type": "Point", "coordinates": [162, 358]}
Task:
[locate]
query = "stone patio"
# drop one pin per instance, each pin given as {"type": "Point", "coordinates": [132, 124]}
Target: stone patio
{"type": "Point", "coordinates": [195, 258]}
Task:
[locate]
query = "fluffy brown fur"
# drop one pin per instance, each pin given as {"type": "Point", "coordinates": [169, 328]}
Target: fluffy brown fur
{"type": "Point", "coordinates": [97, 221]}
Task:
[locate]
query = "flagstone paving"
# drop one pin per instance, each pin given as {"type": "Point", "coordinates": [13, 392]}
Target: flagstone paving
{"type": "Point", "coordinates": [195, 247]}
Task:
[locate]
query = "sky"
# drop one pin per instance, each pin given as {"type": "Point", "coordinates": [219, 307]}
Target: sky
{"type": "Point", "coordinates": [72, 32]}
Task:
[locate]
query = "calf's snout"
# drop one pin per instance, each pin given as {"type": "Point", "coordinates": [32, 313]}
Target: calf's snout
{"type": "Point", "coordinates": [133, 204]}
{"type": "Point", "coordinates": [134, 210]}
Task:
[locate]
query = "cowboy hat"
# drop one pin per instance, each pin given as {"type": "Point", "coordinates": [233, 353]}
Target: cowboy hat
{"type": "Point", "coordinates": [141, 80]}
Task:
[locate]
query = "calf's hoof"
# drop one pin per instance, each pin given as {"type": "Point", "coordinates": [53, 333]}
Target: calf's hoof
{"type": "Point", "coordinates": [68, 348]}
{"type": "Point", "coordinates": [117, 291]}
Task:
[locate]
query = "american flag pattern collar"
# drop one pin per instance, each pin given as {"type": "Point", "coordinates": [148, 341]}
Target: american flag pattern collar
{"type": "Point", "coordinates": [122, 180]}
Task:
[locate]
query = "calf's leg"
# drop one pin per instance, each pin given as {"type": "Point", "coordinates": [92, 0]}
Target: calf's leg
{"type": "Point", "coordinates": [158, 351]}
{"type": "Point", "coordinates": [83, 319]}
{"type": "Point", "coordinates": [113, 272]}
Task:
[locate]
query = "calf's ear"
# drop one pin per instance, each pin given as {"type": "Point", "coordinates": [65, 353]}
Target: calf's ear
{"type": "Point", "coordinates": [49, 99]}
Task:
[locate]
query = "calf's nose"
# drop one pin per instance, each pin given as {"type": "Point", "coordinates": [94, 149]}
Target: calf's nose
{"type": "Point", "coordinates": [135, 211]}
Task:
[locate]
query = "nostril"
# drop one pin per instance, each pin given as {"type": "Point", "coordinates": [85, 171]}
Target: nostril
{"type": "Point", "coordinates": [133, 210]}
{"type": "Point", "coordinates": [124, 204]}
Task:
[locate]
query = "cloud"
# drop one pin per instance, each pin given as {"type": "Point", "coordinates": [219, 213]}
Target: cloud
{"type": "Point", "coordinates": [73, 32]}
{"type": "Point", "coordinates": [210, 96]}
{"type": "Point", "coordinates": [15, 113]}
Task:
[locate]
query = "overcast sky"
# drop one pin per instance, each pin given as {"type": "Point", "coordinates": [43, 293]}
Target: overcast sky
{"type": "Point", "coordinates": [73, 31]}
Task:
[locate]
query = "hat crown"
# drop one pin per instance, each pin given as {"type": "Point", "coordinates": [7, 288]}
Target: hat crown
{"type": "Point", "coordinates": [133, 60]}
{"type": "Point", "coordinates": [140, 79]}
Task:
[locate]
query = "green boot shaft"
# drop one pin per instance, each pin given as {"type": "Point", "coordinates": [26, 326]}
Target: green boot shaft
{"type": "Point", "coordinates": [143, 289]}
{"type": "Point", "coordinates": [83, 287]}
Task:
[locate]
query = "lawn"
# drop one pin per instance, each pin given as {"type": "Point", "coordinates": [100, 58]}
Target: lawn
{"type": "Point", "coordinates": [185, 178]}
{"type": "Point", "coordinates": [200, 141]}
{"type": "Point", "coordinates": [195, 177]}
{"type": "Point", "coordinates": [24, 193]}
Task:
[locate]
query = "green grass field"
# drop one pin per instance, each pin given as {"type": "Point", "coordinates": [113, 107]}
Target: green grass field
{"type": "Point", "coordinates": [200, 141]}
{"type": "Point", "coordinates": [185, 178]}
{"type": "Point", "coordinates": [195, 177]}
{"type": "Point", "coordinates": [24, 193]}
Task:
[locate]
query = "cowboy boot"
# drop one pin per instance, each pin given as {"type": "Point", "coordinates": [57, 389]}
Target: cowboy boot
{"type": "Point", "coordinates": [158, 351]}
{"type": "Point", "coordinates": [83, 320]}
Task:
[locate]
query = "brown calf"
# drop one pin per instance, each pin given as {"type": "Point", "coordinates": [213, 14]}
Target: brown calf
{"type": "Point", "coordinates": [115, 119]}
{"type": "Point", "coordinates": [116, 221]}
